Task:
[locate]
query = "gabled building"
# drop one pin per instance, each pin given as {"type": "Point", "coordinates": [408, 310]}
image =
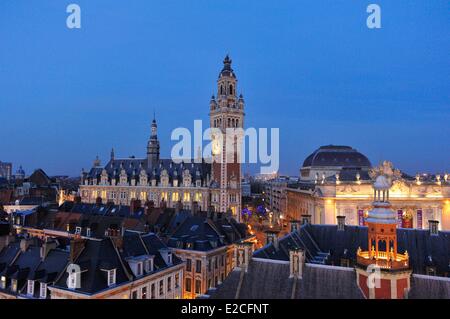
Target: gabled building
{"type": "Point", "coordinates": [205, 241]}
{"type": "Point", "coordinates": [131, 265]}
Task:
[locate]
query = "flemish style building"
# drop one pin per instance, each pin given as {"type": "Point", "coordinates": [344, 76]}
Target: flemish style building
{"type": "Point", "coordinates": [165, 182]}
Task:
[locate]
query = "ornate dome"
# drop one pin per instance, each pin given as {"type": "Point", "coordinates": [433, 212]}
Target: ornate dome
{"type": "Point", "coordinates": [227, 70]}
{"type": "Point", "coordinates": [339, 156]}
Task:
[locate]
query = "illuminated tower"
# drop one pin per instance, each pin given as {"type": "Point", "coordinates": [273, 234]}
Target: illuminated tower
{"type": "Point", "coordinates": [227, 112]}
{"type": "Point", "coordinates": [382, 272]}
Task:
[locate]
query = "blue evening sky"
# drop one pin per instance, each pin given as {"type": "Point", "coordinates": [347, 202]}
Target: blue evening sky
{"type": "Point", "coordinates": [311, 68]}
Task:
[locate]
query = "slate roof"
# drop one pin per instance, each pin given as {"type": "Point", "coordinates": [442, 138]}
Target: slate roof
{"type": "Point", "coordinates": [270, 280]}
{"type": "Point", "coordinates": [102, 254]}
{"type": "Point", "coordinates": [133, 167]}
{"type": "Point", "coordinates": [202, 233]}
{"type": "Point", "coordinates": [29, 265]}
{"type": "Point", "coordinates": [326, 238]}
{"type": "Point", "coordinates": [334, 155]}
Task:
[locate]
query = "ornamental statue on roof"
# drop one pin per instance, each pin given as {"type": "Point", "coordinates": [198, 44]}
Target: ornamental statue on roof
{"type": "Point", "coordinates": [387, 169]}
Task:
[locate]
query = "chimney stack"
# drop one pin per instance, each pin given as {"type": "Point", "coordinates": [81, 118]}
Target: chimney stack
{"type": "Point", "coordinates": [296, 263]}
{"type": "Point", "coordinates": [272, 237]}
{"type": "Point", "coordinates": [195, 208]}
{"type": "Point", "coordinates": [46, 247]}
{"type": "Point", "coordinates": [76, 247]}
{"type": "Point", "coordinates": [306, 219]}
{"type": "Point", "coordinates": [340, 223]}
{"type": "Point", "coordinates": [178, 206]}
{"type": "Point", "coordinates": [24, 244]}
{"type": "Point", "coordinates": [434, 227]}
{"type": "Point", "coordinates": [295, 225]}
{"type": "Point", "coordinates": [135, 205]}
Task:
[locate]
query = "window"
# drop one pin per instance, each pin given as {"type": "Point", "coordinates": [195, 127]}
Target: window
{"type": "Point", "coordinates": [161, 287]}
{"type": "Point", "coordinates": [43, 290]}
{"type": "Point", "coordinates": [30, 288]}
{"type": "Point", "coordinates": [134, 294]}
{"type": "Point", "coordinates": [188, 265]}
{"type": "Point", "coordinates": [209, 265]}
{"type": "Point", "coordinates": [77, 230]}
{"type": "Point", "coordinates": [198, 285]}
{"type": "Point", "coordinates": [198, 266]}
{"type": "Point", "coordinates": [111, 277]}
{"type": "Point", "coordinates": [169, 284]}
{"type": "Point", "coordinates": [152, 291]}
{"type": "Point", "coordinates": [222, 260]}
{"type": "Point", "coordinates": [188, 285]}
{"type": "Point", "coordinates": [14, 285]}
{"type": "Point", "coordinates": [88, 232]}
{"type": "Point", "coordinates": [216, 262]}
{"type": "Point", "coordinates": [3, 282]}
{"type": "Point", "coordinates": [144, 292]}
{"type": "Point", "coordinates": [177, 280]}
{"type": "Point", "coordinates": [139, 269]}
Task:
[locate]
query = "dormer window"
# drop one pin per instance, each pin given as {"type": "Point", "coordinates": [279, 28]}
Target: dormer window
{"type": "Point", "coordinates": [30, 287]}
{"type": "Point", "coordinates": [88, 232]}
{"type": "Point", "coordinates": [149, 265]}
{"type": "Point", "coordinates": [139, 270]}
{"type": "Point", "coordinates": [78, 230]}
{"type": "Point", "coordinates": [111, 277]}
{"type": "Point", "coordinates": [43, 290]}
{"type": "Point", "coordinates": [14, 285]}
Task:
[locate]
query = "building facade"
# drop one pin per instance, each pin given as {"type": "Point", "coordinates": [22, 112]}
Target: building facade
{"type": "Point", "coordinates": [5, 170]}
{"type": "Point", "coordinates": [165, 181]}
{"type": "Point", "coordinates": [416, 200]}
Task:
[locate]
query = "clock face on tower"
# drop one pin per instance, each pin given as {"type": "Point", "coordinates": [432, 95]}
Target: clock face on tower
{"type": "Point", "coordinates": [215, 146]}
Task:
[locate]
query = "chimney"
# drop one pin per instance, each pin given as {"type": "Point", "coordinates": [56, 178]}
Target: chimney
{"type": "Point", "coordinates": [46, 247]}
{"type": "Point", "coordinates": [98, 201]}
{"type": "Point", "coordinates": [306, 219]}
{"type": "Point", "coordinates": [76, 247]}
{"type": "Point", "coordinates": [272, 237]}
{"type": "Point", "coordinates": [340, 223]}
{"type": "Point", "coordinates": [194, 208]}
{"type": "Point", "coordinates": [24, 244]}
{"type": "Point", "coordinates": [295, 225]}
{"type": "Point", "coordinates": [149, 205]}
{"type": "Point", "coordinates": [243, 255]}
{"type": "Point", "coordinates": [118, 241]}
{"type": "Point", "coordinates": [135, 205]}
{"type": "Point", "coordinates": [178, 206]}
{"type": "Point", "coordinates": [296, 262]}
{"type": "Point", "coordinates": [434, 227]}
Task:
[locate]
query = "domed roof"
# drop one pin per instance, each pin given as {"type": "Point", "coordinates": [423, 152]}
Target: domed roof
{"type": "Point", "coordinates": [335, 155]}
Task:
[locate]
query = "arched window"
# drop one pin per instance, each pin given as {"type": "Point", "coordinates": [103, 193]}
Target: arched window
{"type": "Point", "coordinates": [232, 123]}
{"type": "Point", "coordinates": [229, 122]}
{"type": "Point", "coordinates": [231, 89]}
{"type": "Point", "coordinates": [237, 122]}
{"type": "Point", "coordinates": [221, 90]}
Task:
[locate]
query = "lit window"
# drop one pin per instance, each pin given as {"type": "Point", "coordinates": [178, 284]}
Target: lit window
{"type": "Point", "coordinates": [144, 292]}
{"type": "Point", "coordinates": [30, 288]}
{"type": "Point", "coordinates": [186, 197]}
{"type": "Point", "coordinates": [43, 290]}
{"type": "Point", "coordinates": [111, 277]}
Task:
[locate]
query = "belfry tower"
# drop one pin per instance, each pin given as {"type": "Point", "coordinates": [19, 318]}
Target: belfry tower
{"type": "Point", "coordinates": [382, 272]}
{"type": "Point", "coordinates": [227, 115]}
{"type": "Point", "coordinates": [153, 146]}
